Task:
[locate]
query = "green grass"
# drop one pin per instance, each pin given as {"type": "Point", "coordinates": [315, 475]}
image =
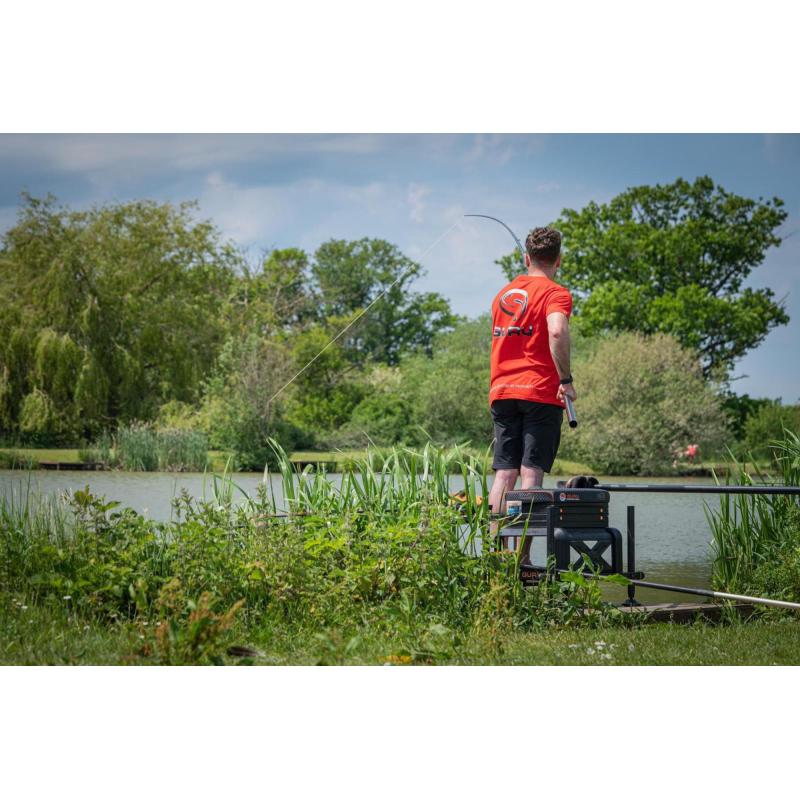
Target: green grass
{"type": "Point", "coordinates": [31, 634]}
{"type": "Point", "coordinates": [36, 454]}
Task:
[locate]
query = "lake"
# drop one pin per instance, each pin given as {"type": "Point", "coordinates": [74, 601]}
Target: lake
{"type": "Point", "coordinates": [672, 533]}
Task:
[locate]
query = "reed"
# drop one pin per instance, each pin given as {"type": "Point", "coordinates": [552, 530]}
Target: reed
{"type": "Point", "coordinates": [141, 447]}
{"type": "Point", "coordinates": [753, 532]}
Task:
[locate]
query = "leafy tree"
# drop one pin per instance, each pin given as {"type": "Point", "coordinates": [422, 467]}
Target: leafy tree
{"type": "Point", "coordinates": [236, 411]}
{"type": "Point", "coordinates": [322, 397]}
{"type": "Point", "coordinates": [674, 259]}
{"type": "Point", "coordinates": [739, 408]}
{"type": "Point", "coordinates": [108, 313]}
{"type": "Point", "coordinates": [350, 276]}
{"type": "Point", "coordinates": [642, 399]}
{"type": "Point", "coordinates": [448, 393]}
{"type": "Point", "coordinates": [767, 425]}
{"type": "Point", "coordinates": [276, 298]}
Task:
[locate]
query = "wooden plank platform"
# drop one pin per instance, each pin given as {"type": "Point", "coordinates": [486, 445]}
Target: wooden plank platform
{"type": "Point", "coordinates": [685, 612]}
{"type": "Point", "coordinates": [72, 465]}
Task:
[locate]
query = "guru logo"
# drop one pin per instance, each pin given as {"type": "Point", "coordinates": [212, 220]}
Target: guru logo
{"type": "Point", "coordinates": [514, 302]}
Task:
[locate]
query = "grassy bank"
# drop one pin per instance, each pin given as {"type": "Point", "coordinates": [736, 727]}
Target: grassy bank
{"type": "Point", "coordinates": [332, 460]}
{"type": "Point", "coordinates": [31, 634]}
{"type": "Point", "coordinates": [383, 568]}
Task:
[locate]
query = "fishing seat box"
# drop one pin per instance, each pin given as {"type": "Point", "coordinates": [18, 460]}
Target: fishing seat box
{"type": "Point", "coordinates": [573, 521]}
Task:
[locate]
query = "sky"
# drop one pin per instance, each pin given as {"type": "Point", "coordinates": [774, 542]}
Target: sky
{"type": "Point", "coordinates": [272, 191]}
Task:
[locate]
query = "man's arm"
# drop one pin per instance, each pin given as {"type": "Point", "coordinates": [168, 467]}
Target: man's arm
{"type": "Point", "coordinates": [558, 333]}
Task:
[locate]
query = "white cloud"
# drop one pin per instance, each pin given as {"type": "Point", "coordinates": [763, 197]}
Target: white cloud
{"type": "Point", "coordinates": [416, 194]}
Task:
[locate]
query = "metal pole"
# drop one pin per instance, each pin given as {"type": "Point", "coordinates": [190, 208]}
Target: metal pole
{"type": "Point", "coordinates": [689, 488]}
{"type": "Point", "coordinates": [667, 587]}
{"type": "Point", "coordinates": [632, 601]}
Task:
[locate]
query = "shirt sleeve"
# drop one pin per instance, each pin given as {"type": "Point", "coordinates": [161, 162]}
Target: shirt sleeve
{"type": "Point", "coordinates": [559, 300]}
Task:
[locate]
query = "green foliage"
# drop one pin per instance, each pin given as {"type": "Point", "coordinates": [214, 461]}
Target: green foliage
{"type": "Point", "coordinates": [352, 275]}
{"type": "Point", "coordinates": [389, 549]}
{"type": "Point", "coordinates": [757, 537]}
{"type": "Point", "coordinates": [766, 425]}
{"type": "Point", "coordinates": [100, 451]}
{"type": "Point", "coordinates": [641, 399]}
{"type": "Point", "coordinates": [108, 313]}
{"type": "Point", "coordinates": [141, 447]}
{"type": "Point", "coordinates": [739, 408]}
{"type": "Point", "coordinates": [11, 459]}
{"type": "Point", "coordinates": [383, 417]}
{"type": "Point", "coordinates": [673, 259]}
{"type": "Point", "coordinates": [136, 447]}
{"type": "Point", "coordinates": [448, 393]}
{"type": "Point", "coordinates": [236, 411]}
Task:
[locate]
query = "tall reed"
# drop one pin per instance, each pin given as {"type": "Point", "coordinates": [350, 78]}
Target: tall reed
{"type": "Point", "coordinates": [141, 447]}
{"type": "Point", "coordinates": [752, 531]}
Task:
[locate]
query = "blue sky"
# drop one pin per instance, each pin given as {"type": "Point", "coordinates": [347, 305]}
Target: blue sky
{"type": "Point", "coordinates": [268, 191]}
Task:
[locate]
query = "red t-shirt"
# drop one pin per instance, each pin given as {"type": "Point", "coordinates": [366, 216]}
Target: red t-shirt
{"type": "Point", "coordinates": [522, 366]}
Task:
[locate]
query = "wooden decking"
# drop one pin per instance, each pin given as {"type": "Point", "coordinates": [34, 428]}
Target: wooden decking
{"type": "Point", "coordinates": [685, 612]}
{"type": "Point", "coordinates": [72, 465]}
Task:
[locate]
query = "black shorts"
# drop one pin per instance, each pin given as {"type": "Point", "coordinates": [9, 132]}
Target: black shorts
{"type": "Point", "coordinates": [525, 433]}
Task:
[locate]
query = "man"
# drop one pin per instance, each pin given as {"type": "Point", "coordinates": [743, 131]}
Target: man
{"type": "Point", "coordinates": [530, 370]}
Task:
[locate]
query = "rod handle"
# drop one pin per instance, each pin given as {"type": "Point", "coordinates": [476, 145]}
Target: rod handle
{"type": "Point", "coordinates": [571, 418]}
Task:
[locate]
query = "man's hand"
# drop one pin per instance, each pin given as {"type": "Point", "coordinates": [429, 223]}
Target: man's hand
{"type": "Point", "coordinates": [567, 390]}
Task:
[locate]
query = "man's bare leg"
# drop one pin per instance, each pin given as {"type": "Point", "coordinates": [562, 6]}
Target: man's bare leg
{"type": "Point", "coordinates": [504, 481]}
{"type": "Point", "coordinates": [531, 479]}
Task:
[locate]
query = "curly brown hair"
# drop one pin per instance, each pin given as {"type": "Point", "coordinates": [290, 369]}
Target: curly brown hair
{"type": "Point", "coordinates": [543, 245]}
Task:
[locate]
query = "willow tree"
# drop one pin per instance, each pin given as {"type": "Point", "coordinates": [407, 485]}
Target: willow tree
{"type": "Point", "coordinates": [108, 313]}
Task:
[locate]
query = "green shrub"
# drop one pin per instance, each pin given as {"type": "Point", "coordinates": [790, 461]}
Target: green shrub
{"type": "Point", "coordinates": [100, 451]}
{"type": "Point", "coordinates": [448, 393]}
{"type": "Point", "coordinates": [766, 424]}
{"type": "Point", "coordinates": [11, 459]}
{"type": "Point", "coordinates": [641, 399]}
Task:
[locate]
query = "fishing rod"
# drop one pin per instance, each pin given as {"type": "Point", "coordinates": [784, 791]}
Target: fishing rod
{"type": "Point", "coordinates": [668, 587]}
{"type": "Point", "coordinates": [688, 488]}
{"type": "Point", "coordinates": [571, 418]}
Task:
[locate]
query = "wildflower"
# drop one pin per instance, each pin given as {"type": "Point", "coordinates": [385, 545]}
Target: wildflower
{"type": "Point", "coordinates": [23, 608]}
{"type": "Point", "coordinates": [599, 645]}
{"type": "Point", "coordinates": [67, 597]}
{"type": "Point", "coordinates": [85, 627]}
{"type": "Point", "coordinates": [631, 647]}
{"type": "Point", "coordinates": [590, 651]}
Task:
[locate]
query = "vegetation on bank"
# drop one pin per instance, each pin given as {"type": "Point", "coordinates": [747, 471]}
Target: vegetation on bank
{"type": "Point", "coordinates": [385, 568]}
{"type": "Point", "coordinates": [139, 312]}
{"type": "Point", "coordinates": [388, 551]}
{"type": "Point", "coordinates": [756, 538]}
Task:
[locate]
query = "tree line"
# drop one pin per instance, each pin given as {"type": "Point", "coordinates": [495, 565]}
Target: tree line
{"type": "Point", "coordinates": [142, 311]}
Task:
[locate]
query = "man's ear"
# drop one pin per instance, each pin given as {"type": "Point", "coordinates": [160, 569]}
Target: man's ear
{"type": "Point", "coordinates": [527, 261]}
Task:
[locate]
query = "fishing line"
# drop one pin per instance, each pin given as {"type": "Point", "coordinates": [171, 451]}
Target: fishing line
{"type": "Point", "coordinates": [361, 313]}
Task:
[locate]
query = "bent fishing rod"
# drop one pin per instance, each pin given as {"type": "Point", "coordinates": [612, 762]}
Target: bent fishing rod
{"type": "Point", "coordinates": [571, 418]}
